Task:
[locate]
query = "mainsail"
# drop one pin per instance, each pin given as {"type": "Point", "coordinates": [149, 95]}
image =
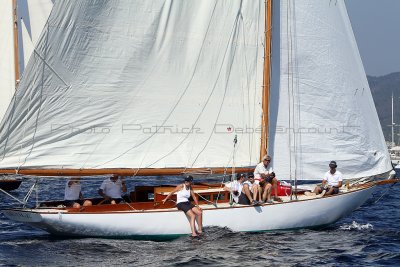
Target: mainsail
{"type": "Point", "coordinates": [140, 84]}
{"type": "Point", "coordinates": [321, 108]}
{"type": "Point", "coordinates": [168, 84]}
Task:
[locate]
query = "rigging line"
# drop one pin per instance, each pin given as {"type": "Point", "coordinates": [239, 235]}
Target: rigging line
{"type": "Point", "coordinates": [384, 193]}
{"type": "Point", "coordinates": [12, 112]}
{"type": "Point", "coordinates": [298, 165]}
{"type": "Point", "coordinates": [51, 68]}
{"type": "Point", "coordinates": [295, 93]}
{"type": "Point", "coordinates": [248, 89]}
{"type": "Point", "coordinates": [206, 200]}
{"type": "Point", "coordinates": [180, 98]}
{"type": "Point", "coordinates": [41, 86]}
{"type": "Point", "coordinates": [224, 96]}
{"type": "Point", "coordinates": [260, 9]}
{"type": "Point", "coordinates": [206, 103]}
{"type": "Point", "coordinates": [292, 61]}
{"type": "Point", "coordinates": [288, 90]}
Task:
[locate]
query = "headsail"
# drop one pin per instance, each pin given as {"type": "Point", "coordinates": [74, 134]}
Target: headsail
{"type": "Point", "coordinates": [140, 84]}
{"type": "Point", "coordinates": [31, 16]}
{"type": "Point", "coordinates": [321, 104]}
{"type": "Point", "coordinates": [7, 78]}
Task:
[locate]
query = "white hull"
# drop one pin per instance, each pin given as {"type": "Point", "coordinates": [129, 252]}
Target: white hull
{"type": "Point", "coordinates": [291, 215]}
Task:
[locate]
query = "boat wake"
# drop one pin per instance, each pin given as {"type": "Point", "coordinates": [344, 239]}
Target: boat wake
{"type": "Point", "coordinates": [356, 226]}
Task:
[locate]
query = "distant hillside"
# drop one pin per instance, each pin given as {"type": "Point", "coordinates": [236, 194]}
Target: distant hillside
{"type": "Point", "coordinates": [382, 88]}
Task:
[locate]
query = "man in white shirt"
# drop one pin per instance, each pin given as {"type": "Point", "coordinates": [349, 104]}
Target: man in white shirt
{"type": "Point", "coordinates": [254, 188]}
{"type": "Point", "coordinates": [240, 191]}
{"type": "Point", "coordinates": [332, 181]}
{"type": "Point", "coordinates": [265, 176]}
{"type": "Point", "coordinates": [73, 196]}
{"type": "Point", "coordinates": [111, 189]}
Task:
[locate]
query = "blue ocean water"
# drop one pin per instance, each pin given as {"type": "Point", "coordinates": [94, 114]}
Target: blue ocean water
{"type": "Point", "coordinates": [370, 236]}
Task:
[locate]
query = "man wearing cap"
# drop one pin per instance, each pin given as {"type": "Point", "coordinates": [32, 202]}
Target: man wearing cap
{"type": "Point", "coordinates": [265, 176]}
{"type": "Point", "coordinates": [332, 181]}
{"type": "Point", "coordinates": [240, 191]}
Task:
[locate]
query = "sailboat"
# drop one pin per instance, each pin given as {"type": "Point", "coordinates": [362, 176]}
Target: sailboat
{"type": "Point", "coordinates": [163, 88]}
{"type": "Point", "coordinates": [20, 28]}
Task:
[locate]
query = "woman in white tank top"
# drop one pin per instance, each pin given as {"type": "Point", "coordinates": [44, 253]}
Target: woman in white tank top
{"type": "Point", "coordinates": [193, 213]}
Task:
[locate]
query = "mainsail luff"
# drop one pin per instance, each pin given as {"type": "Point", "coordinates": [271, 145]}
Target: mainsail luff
{"type": "Point", "coordinates": [266, 78]}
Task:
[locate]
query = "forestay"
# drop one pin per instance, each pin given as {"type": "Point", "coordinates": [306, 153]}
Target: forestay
{"type": "Point", "coordinates": [321, 104]}
{"type": "Point", "coordinates": [140, 84]}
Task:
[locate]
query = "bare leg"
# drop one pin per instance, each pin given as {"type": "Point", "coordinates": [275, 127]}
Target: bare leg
{"type": "Point", "coordinates": [87, 203]}
{"type": "Point", "coordinates": [255, 191]}
{"type": "Point", "coordinates": [317, 190]}
{"type": "Point", "coordinates": [267, 192]}
{"type": "Point", "coordinates": [275, 186]}
{"type": "Point", "coordinates": [260, 192]}
{"type": "Point", "coordinates": [191, 217]}
{"type": "Point", "coordinates": [76, 205]}
{"type": "Point", "coordinates": [329, 192]}
{"type": "Point", "coordinates": [247, 192]}
{"type": "Point", "coordinates": [199, 219]}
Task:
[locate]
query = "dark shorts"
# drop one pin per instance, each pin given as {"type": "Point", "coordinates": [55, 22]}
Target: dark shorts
{"type": "Point", "coordinates": [335, 190]}
{"type": "Point", "coordinates": [269, 179]}
{"type": "Point", "coordinates": [70, 203]}
{"type": "Point", "coordinates": [117, 200]}
{"type": "Point", "coordinates": [243, 199]}
{"type": "Point", "coordinates": [185, 206]}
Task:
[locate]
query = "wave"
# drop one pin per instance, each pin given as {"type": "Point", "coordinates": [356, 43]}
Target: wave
{"type": "Point", "coordinates": [356, 226]}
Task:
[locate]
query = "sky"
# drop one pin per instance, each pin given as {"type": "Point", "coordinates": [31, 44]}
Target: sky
{"type": "Point", "coordinates": [376, 26]}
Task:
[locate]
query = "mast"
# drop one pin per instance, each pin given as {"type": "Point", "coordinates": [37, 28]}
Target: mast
{"type": "Point", "coordinates": [392, 144]}
{"type": "Point", "coordinates": [266, 77]}
{"type": "Point", "coordinates": [16, 64]}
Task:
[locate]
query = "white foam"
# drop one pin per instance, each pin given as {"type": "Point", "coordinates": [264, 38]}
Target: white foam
{"type": "Point", "coordinates": [356, 226]}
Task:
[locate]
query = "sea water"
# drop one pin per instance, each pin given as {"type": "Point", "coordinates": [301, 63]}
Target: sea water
{"type": "Point", "coordinates": [370, 236]}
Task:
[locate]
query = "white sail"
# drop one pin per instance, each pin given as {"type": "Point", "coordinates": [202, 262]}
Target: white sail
{"type": "Point", "coordinates": [32, 16]}
{"type": "Point", "coordinates": [7, 70]}
{"type": "Point", "coordinates": [140, 84]}
{"type": "Point", "coordinates": [321, 104]}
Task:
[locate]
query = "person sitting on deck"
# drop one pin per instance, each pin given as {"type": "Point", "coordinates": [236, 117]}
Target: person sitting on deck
{"type": "Point", "coordinates": [240, 191]}
{"type": "Point", "coordinates": [331, 183]}
{"type": "Point", "coordinates": [264, 174]}
{"type": "Point", "coordinates": [73, 196]}
{"type": "Point", "coordinates": [193, 213]}
{"type": "Point", "coordinates": [265, 191]}
{"type": "Point", "coordinates": [111, 189]}
{"type": "Point", "coordinates": [254, 188]}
